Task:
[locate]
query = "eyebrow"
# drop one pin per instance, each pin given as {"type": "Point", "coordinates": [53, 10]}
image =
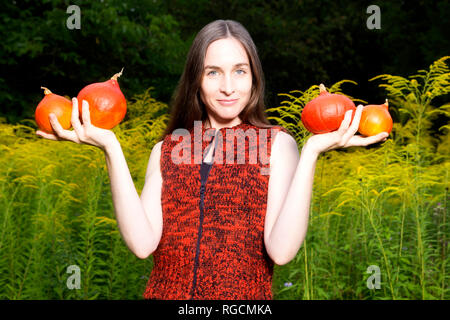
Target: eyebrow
{"type": "Point", "coordinates": [235, 66]}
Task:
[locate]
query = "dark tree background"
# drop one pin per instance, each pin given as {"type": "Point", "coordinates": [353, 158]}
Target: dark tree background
{"type": "Point", "coordinates": [300, 43]}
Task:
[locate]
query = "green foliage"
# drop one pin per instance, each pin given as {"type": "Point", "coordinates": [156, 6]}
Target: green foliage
{"type": "Point", "coordinates": [56, 211]}
{"type": "Point", "coordinates": [379, 205]}
{"type": "Point", "coordinates": [299, 42]}
{"type": "Point", "coordinates": [385, 206]}
{"type": "Point", "coordinates": [37, 49]}
{"type": "Point", "coordinates": [413, 98]}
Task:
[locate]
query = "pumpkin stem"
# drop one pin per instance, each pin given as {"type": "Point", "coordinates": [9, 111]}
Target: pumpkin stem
{"type": "Point", "coordinates": [386, 103]}
{"type": "Point", "coordinates": [322, 88]}
{"type": "Point", "coordinates": [117, 75]}
{"type": "Point", "coordinates": [46, 91]}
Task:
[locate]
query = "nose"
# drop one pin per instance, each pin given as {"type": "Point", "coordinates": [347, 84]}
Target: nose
{"type": "Point", "coordinates": [227, 85]}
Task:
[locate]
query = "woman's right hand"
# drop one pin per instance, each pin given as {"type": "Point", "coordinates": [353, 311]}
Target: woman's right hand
{"type": "Point", "coordinates": [85, 133]}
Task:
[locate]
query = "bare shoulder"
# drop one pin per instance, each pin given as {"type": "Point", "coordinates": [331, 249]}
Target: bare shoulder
{"type": "Point", "coordinates": [155, 158]}
{"type": "Point", "coordinates": [284, 160]}
{"type": "Point", "coordinates": [157, 147]}
{"type": "Point", "coordinates": [284, 148]}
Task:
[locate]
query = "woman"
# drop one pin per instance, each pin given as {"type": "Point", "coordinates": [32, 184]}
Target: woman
{"type": "Point", "coordinates": [215, 229]}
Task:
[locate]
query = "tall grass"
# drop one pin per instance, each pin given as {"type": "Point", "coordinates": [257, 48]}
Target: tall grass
{"type": "Point", "coordinates": [383, 205]}
{"type": "Point", "coordinates": [56, 211]}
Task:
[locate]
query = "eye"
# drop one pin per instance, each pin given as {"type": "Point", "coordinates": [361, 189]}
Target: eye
{"type": "Point", "coordinates": [209, 73]}
{"type": "Point", "coordinates": [243, 71]}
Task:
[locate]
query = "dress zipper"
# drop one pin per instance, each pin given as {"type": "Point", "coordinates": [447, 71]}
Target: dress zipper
{"type": "Point", "coordinates": [205, 168]}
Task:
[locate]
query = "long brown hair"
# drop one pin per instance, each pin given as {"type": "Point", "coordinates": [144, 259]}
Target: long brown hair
{"type": "Point", "coordinates": [186, 104]}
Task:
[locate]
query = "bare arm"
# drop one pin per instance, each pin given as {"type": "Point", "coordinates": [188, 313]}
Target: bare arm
{"type": "Point", "coordinates": [289, 195]}
{"type": "Point", "coordinates": [291, 181]}
{"type": "Point", "coordinates": [139, 218]}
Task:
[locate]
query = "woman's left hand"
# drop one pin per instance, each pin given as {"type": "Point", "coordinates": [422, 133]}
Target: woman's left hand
{"type": "Point", "coordinates": [345, 136]}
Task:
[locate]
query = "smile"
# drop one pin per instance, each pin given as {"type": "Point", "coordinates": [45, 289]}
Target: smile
{"type": "Point", "coordinates": [227, 102]}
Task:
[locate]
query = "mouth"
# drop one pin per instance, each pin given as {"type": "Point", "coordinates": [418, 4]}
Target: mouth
{"type": "Point", "coordinates": [227, 102]}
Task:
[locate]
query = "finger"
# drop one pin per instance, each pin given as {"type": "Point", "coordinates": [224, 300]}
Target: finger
{"type": "Point", "coordinates": [365, 141]}
{"type": "Point", "coordinates": [377, 138]}
{"type": "Point", "coordinates": [355, 124]}
{"type": "Point", "coordinates": [75, 114]}
{"type": "Point", "coordinates": [59, 130]}
{"type": "Point", "coordinates": [75, 120]}
{"type": "Point", "coordinates": [346, 122]}
{"type": "Point", "coordinates": [46, 135]}
{"type": "Point", "coordinates": [356, 119]}
{"type": "Point", "coordinates": [86, 114]}
{"type": "Point", "coordinates": [384, 136]}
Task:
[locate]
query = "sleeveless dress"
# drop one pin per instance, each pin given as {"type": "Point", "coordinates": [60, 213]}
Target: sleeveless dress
{"type": "Point", "coordinates": [212, 243]}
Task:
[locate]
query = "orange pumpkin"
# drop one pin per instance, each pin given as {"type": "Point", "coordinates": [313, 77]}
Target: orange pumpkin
{"type": "Point", "coordinates": [53, 103]}
{"type": "Point", "coordinates": [326, 112]}
{"type": "Point", "coordinates": [107, 104]}
{"type": "Point", "coordinates": [375, 119]}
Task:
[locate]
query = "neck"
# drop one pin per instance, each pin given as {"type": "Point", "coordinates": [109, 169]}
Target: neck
{"type": "Point", "coordinates": [217, 125]}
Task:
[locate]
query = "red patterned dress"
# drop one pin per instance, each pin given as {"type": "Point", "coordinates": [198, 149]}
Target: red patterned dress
{"type": "Point", "coordinates": [212, 243]}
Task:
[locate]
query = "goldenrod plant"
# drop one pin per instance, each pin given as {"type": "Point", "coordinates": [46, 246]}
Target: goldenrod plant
{"type": "Point", "coordinates": [382, 207]}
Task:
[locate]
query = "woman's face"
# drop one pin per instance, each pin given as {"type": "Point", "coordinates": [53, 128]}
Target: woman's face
{"type": "Point", "coordinates": [226, 81]}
